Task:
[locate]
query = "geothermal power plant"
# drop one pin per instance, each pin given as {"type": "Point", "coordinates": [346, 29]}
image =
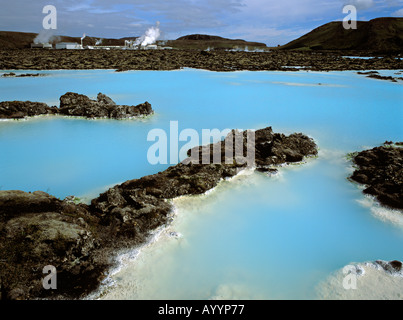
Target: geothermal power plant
{"type": "Point", "coordinates": [148, 41]}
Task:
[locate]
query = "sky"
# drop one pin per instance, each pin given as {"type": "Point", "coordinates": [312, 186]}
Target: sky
{"type": "Point", "coordinates": [269, 21]}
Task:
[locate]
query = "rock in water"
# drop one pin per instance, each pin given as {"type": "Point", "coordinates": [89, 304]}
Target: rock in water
{"type": "Point", "coordinates": [381, 170]}
{"type": "Point", "coordinates": [22, 109]}
{"type": "Point", "coordinates": [74, 104]}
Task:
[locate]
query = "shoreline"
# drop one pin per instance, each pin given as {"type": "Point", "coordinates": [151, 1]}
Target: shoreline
{"type": "Point", "coordinates": [121, 260]}
{"type": "Point", "coordinates": [379, 211]}
{"type": "Point", "coordinates": [360, 278]}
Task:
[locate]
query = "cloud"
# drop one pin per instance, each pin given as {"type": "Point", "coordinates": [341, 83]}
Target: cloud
{"type": "Point", "coordinates": [287, 11]}
{"type": "Point", "coordinates": [270, 35]}
{"type": "Point", "coordinates": [397, 13]}
{"type": "Point", "coordinates": [79, 6]}
{"type": "Point", "coordinates": [362, 4]}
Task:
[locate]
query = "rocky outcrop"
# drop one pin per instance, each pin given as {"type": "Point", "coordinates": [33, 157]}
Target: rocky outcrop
{"type": "Point", "coordinates": [37, 229]}
{"type": "Point", "coordinates": [22, 109]}
{"type": "Point", "coordinates": [381, 171]}
{"type": "Point", "coordinates": [74, 104]}
{"type": "Point", "coordinates": [392, 267]}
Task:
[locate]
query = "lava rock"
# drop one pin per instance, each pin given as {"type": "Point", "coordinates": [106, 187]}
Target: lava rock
{"type": "Point", "coordinates": [381, 171]}
{"type": "Point", "coordinates": [22, 109]}
{"type": "Point", "coordinates": [217, 60]}
{"type": "Point", "coordinates": [37, 230]}
{"type": "Point", "coordinates": [74, 104]}
{"type": "Point", "coordinates": [390, 266]}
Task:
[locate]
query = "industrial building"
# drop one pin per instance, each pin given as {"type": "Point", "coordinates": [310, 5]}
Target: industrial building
{"type": "Point", "coordinates": [68, 45]}
{"type": "Point", "coordinates": [42, 45]}
{"type": "Point", "coordinates": [77, 46]}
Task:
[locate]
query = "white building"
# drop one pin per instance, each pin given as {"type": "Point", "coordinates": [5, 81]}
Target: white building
{"type": "Point", "coordinates": [41, 45]}
{"type": "Point", "coordinates": [68, 45]}
{"type": "Point", "coordinates": [150, 47]}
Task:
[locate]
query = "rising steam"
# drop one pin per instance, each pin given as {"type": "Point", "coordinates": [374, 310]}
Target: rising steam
{"type": "Point", "coordinates": [151, 35]}
{"type": "Point", "coordinates": [45, 36]}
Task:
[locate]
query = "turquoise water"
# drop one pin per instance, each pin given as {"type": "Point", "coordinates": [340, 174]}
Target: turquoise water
{"type": "Point", "coordinates": [254, 237]}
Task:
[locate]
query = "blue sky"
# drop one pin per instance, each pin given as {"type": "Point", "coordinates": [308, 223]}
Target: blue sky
{"type": "Point", "coordinates": [270, 21]}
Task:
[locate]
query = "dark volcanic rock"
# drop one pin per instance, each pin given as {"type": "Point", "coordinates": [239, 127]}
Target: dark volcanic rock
{"type": "Point", "coordinates": [216, 60]}
{"type": "Point", "coordinates": [37, 229]}
{"type": "Point", "coordinates": [12, 74]}
{"type": "Point", "coordinates": [381, 170]}
{"type": "Point", "coordinates": [74, 104]}
{"type": "Point", "coordinates": [379, 77]}
{"type": "Point", "coordinates": [391, 267]}
{"type": "Point", "coordinates": [17, 202]}
{"type": "Point", "coordinates": [270, 148]}
{"type": "Point", "coordinates": [22, 109]}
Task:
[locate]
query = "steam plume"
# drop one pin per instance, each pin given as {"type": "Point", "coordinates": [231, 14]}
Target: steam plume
{"type": "Point", "coordinates": [151, 35]}
{"type": "Point", "coordinates": [44, 36]}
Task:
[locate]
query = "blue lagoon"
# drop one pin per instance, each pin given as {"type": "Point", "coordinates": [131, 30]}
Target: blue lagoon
{"type": "Point", "coordinates": [285, 236]}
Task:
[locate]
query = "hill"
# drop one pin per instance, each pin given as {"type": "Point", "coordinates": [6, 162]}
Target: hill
{"type": "Point", "coordinates": [204, 41]}
{"type": "Point", "coordinates": [380, 34]}
{"type": "Point", "coordinates": [16, 40]}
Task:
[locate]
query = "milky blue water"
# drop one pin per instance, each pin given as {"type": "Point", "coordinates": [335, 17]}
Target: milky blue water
{"type": "Point", "coordinates": [255, 237]}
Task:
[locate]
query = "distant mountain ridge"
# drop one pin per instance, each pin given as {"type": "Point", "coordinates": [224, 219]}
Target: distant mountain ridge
{"type": "Point", "coordinates": [205, 41]}
{"type": "Point", "coordinates": [380, 34]}
{"type": "Point", "coordinates": [203, 37]}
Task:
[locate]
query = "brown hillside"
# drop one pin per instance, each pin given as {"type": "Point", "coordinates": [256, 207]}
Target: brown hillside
{"type": "Point", "coordinates": [381, 34]}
